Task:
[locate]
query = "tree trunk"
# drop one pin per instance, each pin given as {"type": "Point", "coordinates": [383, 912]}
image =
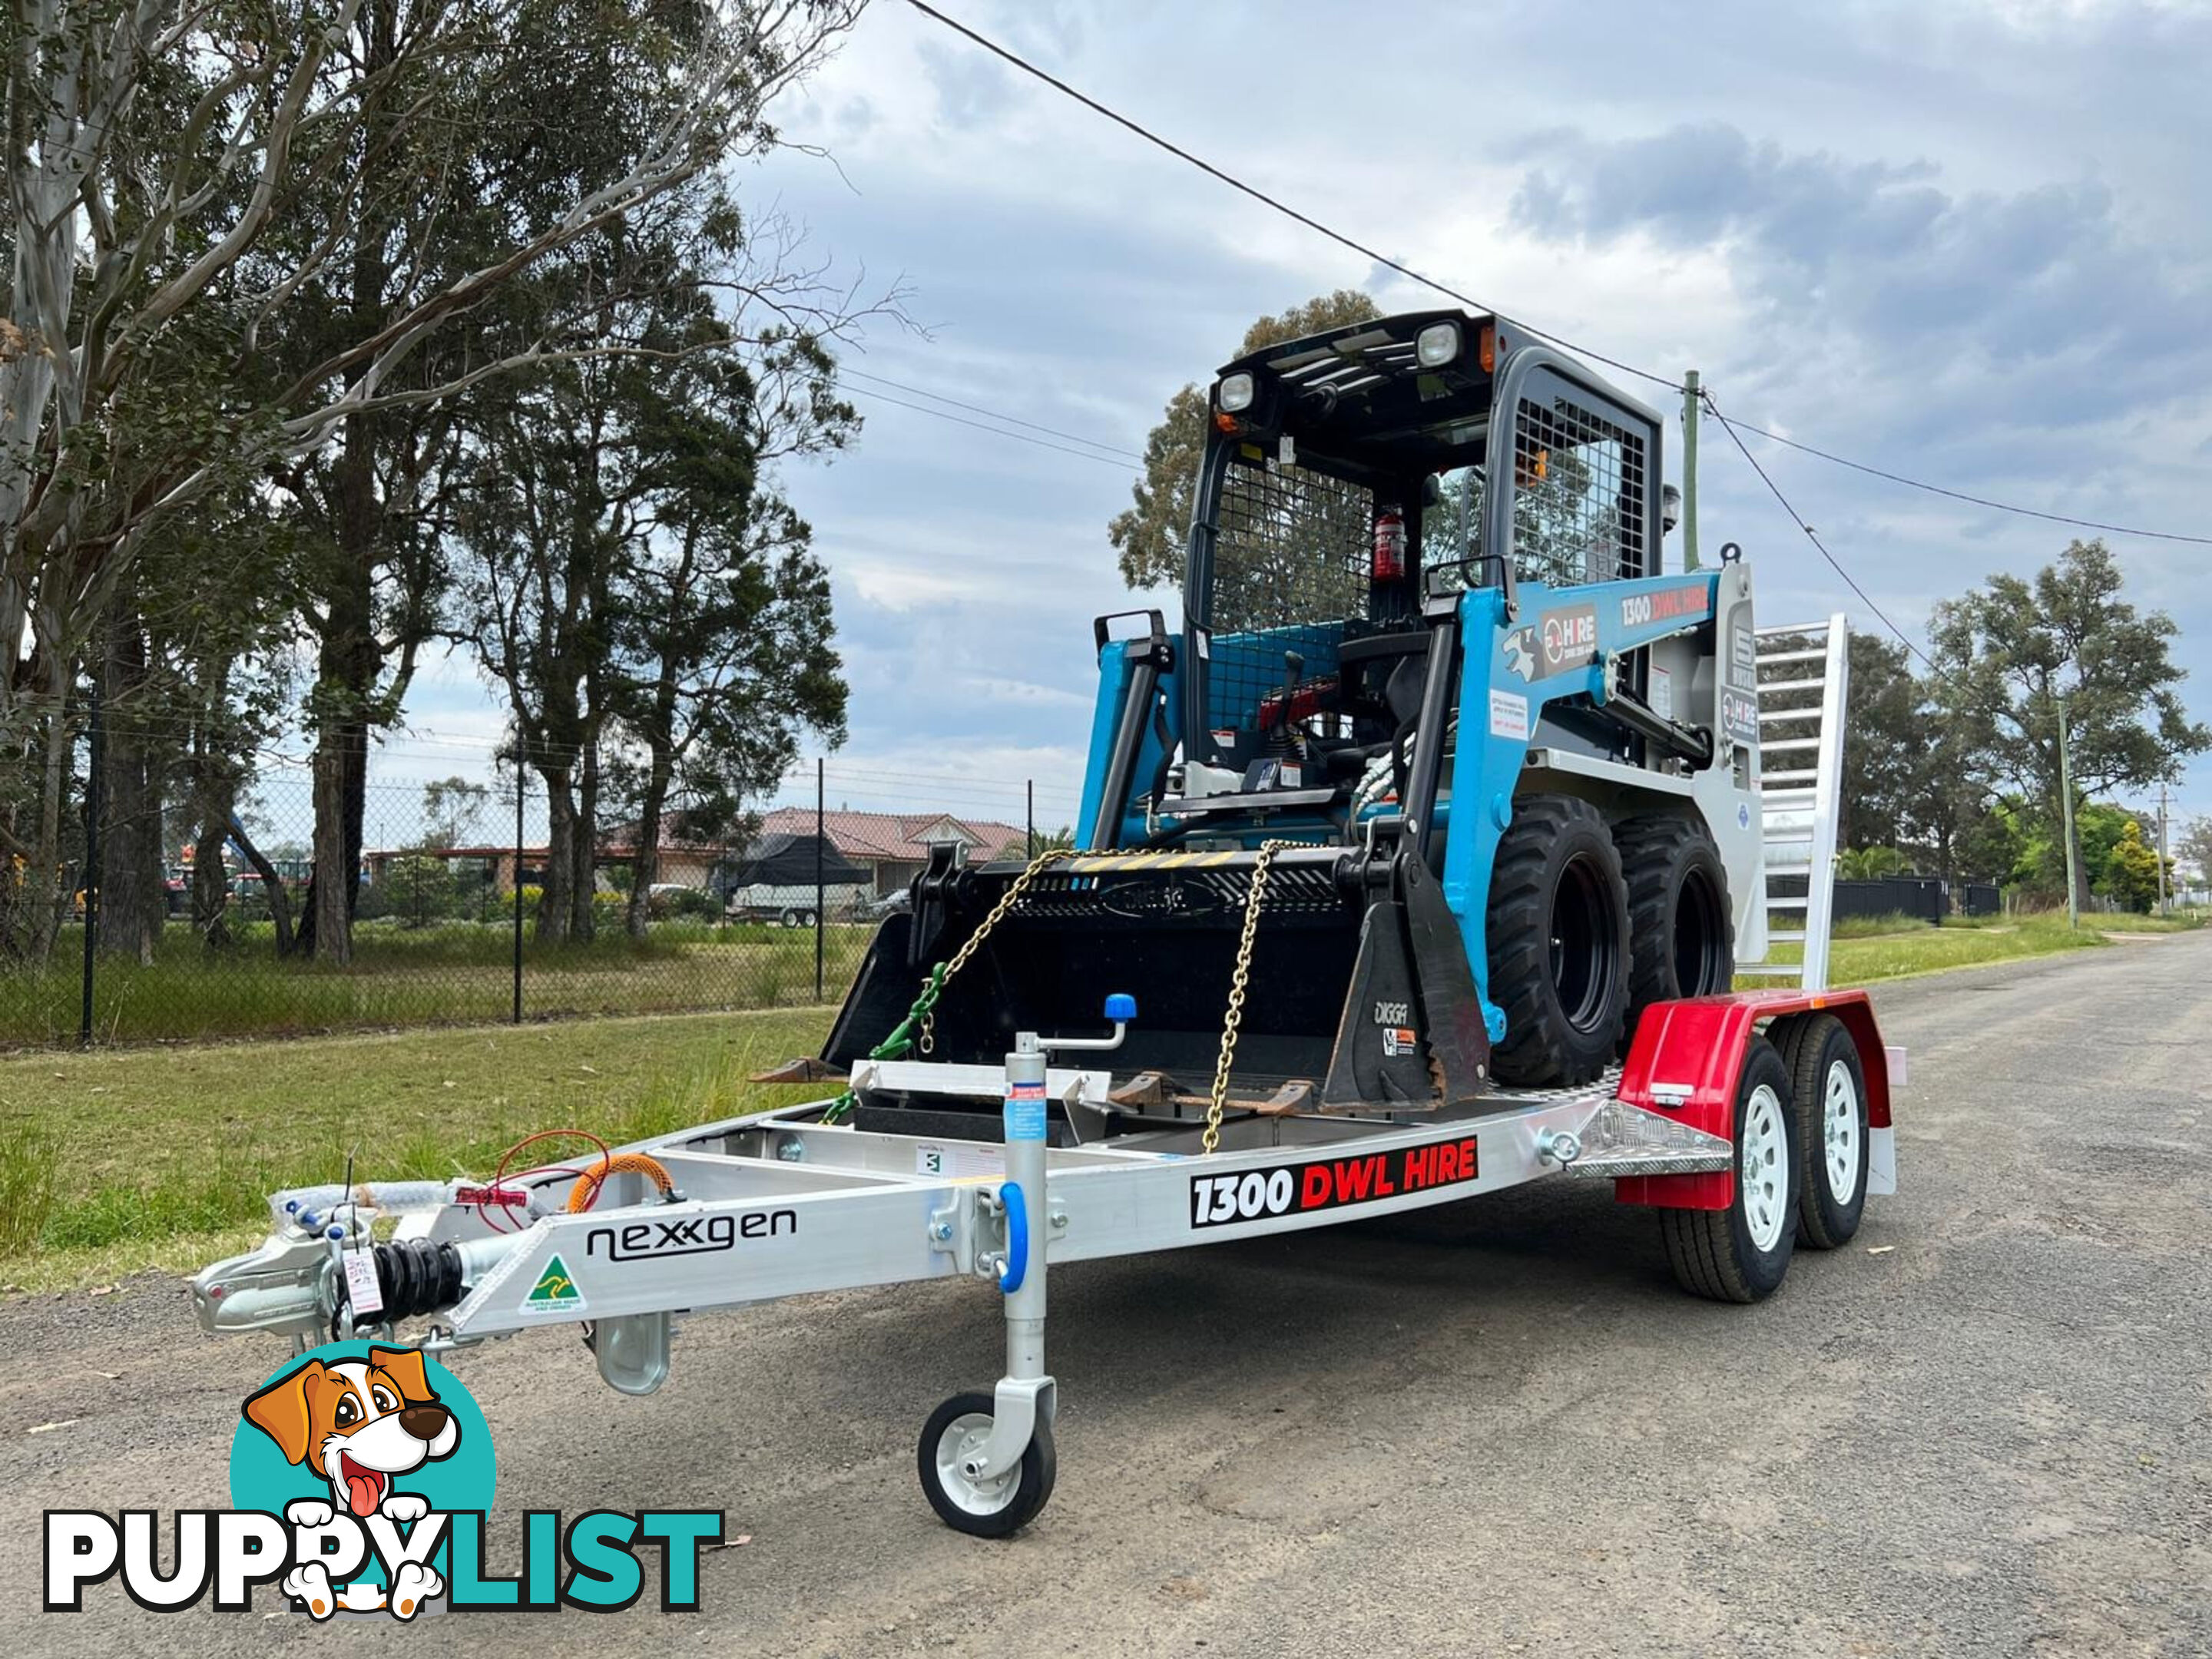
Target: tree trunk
{"type": "Point", "coordinates": [554, 902]}
{"type": "Point", "coordinates": [210, 890]}
{"type": "Point", "coordinates": [327, 932]}
{"type": "Point", "coordinates": [584, 852]}
{"type": "Point", "coordinates": [645, 866]}
{"type": "Point", "coordinates": [279, 901]}
{"type": "Point", "coordinates": [133, 901]}
{"type": "Point", "coordinates": [46, 890]}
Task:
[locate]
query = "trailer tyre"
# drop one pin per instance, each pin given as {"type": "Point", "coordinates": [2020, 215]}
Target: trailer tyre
{"type": "Point", "coordinates": [1682, 931]}
{"type": "Point", "coordinates": [983, 1509]}
{"type": "Point", "coordinates": [1558, 922]}
{"type": "Point", "coordinates": [1829, 1082]}
{"type": "Point", "coordinates": [1740, 1253]}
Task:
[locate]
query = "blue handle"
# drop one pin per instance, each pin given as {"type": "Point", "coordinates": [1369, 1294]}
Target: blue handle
{"type": "Point", "coordinates": [1017, 1238]}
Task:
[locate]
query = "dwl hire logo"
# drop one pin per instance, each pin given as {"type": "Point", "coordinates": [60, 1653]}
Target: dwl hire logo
{"type": "Point", "coordinates": [363, 1475]}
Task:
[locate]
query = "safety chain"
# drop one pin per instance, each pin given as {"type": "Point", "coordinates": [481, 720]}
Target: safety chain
{"type": "Point", "coordinates": [919, 1028]}
{"type": "Point", "coordinates": [1233, 1021]}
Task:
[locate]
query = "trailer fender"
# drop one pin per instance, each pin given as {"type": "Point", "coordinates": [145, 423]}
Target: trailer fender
{"type": "Point", "coordinates": [1687, 1057]}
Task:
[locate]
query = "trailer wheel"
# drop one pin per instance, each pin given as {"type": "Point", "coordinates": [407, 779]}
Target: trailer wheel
{"type": "Point", "coordinates": [1681, 932]}
{"type": "Point", "coordinates": [1740, 1253]}
{"type": "Point", "coordinates": [1829, 1081]}
{"type": "Point", "coordinates": [983, 1509]}
{"type": "Point", "coordinates": [1558, 922]}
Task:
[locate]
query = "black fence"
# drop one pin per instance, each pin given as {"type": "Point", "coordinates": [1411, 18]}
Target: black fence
{"type": "Point", "coordinates": [1921, 897]}
{"type": "Point", "coordinates": [453, 916]}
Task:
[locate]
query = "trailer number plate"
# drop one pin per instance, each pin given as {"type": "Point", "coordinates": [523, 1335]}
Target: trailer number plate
{"type": "Point", "coordinates": [1333, 1183]}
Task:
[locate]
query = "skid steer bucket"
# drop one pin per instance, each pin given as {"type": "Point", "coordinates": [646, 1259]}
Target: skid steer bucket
{"type": "Point", "coordinates": [1338, 992]}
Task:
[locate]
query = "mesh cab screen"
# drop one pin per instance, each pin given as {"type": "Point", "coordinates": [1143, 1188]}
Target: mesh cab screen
{"type": "Point", "coordinates": [1291, 552]}
{"type": "Point", "coordinates": [1579, 499]}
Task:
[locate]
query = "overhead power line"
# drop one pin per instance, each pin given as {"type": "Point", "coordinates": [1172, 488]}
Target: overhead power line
{"type": "Point", "coordinates": [1811, 536]}
{"type": "Point", "coordinates": [997, 431]}
{"type": "Point", "coordinates": [1261, 197]}
{"type": "Point", "coordinates": [847, 371]}
{"type": "Point", "coordinates": [1973, 501]}
{"type": "Point", "coordinates": [1141, 130]}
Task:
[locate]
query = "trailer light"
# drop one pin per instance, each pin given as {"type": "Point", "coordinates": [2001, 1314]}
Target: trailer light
{"type": "Point", "coordinates": [1486, 348]}
{"type": "Point", "coordinates": [1235, 395]}
{"type": "Point", "coordinates": [1436, 345]}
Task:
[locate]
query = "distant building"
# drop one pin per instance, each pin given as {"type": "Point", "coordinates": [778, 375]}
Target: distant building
{"type": "Point", "coordinates": [893, 847]}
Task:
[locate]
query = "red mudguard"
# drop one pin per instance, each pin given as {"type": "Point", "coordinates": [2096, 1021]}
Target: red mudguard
{"type": "Point", "coordinates": [1698, 1044]}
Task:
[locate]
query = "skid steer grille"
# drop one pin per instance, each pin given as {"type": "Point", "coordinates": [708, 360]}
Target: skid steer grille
{"type": "Point", "coordinates": [1179, 891]}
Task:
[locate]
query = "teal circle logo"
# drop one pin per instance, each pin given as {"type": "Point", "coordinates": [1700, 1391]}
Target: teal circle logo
{"type": "Point", "coordinates": [383, 1435]}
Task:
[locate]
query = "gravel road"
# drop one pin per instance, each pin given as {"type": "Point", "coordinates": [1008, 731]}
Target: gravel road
{"type": "Point", "coordinates": [1493, 1428]}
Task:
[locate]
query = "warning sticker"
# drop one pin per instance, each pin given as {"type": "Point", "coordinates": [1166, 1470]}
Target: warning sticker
{"type": "Point", "coordinates": [959, 1162]}
{"type": "Point", "coordinates": [1509, 715]}
{"type": "Point", "coordinates": [1401, 1040]}
{"type": "Point", "coordinates": [1334, 1183]}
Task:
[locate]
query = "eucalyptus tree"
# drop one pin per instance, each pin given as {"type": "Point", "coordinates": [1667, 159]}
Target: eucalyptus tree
{"type": "Point", "coordinates": [243, 236]}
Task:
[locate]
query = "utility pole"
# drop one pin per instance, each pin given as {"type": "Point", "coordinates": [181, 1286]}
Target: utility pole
{"type": "Point", "coordinates": [2066, 798]}
{"type": "Point", "coordinates": [1691, 402]}
{"type": "Point", "coordinates": [2161, 850]}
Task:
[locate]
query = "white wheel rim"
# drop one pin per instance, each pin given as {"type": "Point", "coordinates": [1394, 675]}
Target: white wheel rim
{"type": "Point", "coordinates": [1763, 1169]}
{"type": "Point", "coordinates": [965, 1437]}
{"type": "Point", "coordinates": [1839, 1133]}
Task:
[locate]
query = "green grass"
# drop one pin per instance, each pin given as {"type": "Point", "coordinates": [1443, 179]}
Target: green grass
{"type": "Point", "coordinates": [115, 1161]}
{"type": "Point", "coordinates": [447, 973]}
{"type": "Point", "coordinates": [1914, 947]}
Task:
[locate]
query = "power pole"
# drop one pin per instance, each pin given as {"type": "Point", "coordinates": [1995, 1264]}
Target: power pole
{"type": "Point", "coordinates": [2066, 799]}
{"type": "Point", "coordinates": [2161, 850]}
{"type": "Point", "coordinates": [1691, 400]}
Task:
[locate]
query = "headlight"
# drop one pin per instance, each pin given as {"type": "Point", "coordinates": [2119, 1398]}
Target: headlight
{"type": "Point", "coordinates": [1436, 345]}
{"type": "Point", "coordinates": [1235, 393]}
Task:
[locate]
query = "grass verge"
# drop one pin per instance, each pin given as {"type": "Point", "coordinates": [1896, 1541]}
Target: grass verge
{"type": "Point", "coordinates": [115, 1161]}
{"type": "Point", "coordinates": [1913, 947]}
{"type": "Point", "coordinates": [119, 1160]}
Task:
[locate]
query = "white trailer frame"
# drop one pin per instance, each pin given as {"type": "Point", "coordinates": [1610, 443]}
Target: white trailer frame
{"type": "Point", "coordinates": [781, 1203]}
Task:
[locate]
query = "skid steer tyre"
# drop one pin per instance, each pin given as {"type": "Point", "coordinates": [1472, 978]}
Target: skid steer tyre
{"type": "Point", "coordinates": [1682, 931]}
{"type": "Point", "coordinates": [1558, 922]}
{"type": "Point", "coordinates": [1740, 1253]}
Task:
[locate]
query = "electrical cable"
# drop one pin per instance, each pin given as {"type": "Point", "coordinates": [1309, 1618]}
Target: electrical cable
{"type": "Point", "coordinates": [847, 371]}
{"type": "Point", "coordinates": [1210, 170]}
{"type": "Point", "coordinates": [1811, 536]}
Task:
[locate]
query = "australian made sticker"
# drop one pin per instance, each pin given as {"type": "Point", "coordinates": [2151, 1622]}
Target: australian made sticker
{"type": "Point", "coordinates": [1330, 1183]}
{"type": "Point", "coordinates": [556, 1293]}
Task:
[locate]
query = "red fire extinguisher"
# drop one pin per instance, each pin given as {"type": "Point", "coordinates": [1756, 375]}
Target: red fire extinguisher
{"type": "Point", "coordinates": [1389, 543]}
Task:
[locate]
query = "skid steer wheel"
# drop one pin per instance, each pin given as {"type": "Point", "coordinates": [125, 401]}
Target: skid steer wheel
{"type": "Point", "coordinates": [1682, 934]}
{"type": "Point", "coordinates": [1740, 1253]}
{"type": "Point", "coordinates": [985, 1508]}
{"type": "Point", "coordinates": [1559, 942]}
{"type": "Point", "coordinates": [1829, 1082]}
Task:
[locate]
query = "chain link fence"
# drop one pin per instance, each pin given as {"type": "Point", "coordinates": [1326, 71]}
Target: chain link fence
{"type": "Point", "coordinates": [459, 913]}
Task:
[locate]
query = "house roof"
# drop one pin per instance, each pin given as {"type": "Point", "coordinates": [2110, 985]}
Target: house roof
{"type": "Point", "coordinates": [907, 836]}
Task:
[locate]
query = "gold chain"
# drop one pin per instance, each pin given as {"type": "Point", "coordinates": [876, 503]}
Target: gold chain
{"type": "Point", "coordinates": [1006, 902]}
{"type": "Point", "coordinates": [1233, 1021]}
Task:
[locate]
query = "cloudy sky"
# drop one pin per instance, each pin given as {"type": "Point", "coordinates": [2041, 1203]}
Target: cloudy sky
{"type": "Point", "coordinates": [1968, 241]}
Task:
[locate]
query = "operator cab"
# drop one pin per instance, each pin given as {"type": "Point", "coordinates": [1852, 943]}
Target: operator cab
{"type": "Point", "coordinates": [1347, 480]}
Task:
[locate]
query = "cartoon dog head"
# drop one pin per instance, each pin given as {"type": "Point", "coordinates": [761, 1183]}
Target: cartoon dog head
{"type": "Point", "coordinates": [357, 1423]}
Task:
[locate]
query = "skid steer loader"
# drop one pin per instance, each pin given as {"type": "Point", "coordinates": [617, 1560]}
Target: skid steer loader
{"type": "Point", "coordinates": [1498, 773]}
{"type": "Point", "coordinates": [1441, 797]}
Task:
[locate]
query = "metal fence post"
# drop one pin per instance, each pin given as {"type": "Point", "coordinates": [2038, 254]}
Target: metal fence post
{"type": "Point", "coordinates": [91, 872]}
{"type": "Point", "coordinates": [821, 920]}
{"type": "Point", "coordinates": [1030, 845]}
{"type": "Point", "coordinates": [519, 774]}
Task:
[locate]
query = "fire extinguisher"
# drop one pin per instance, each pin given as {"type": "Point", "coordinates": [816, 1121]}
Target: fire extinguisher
{"type": "Point", "coordinates": [1389, 543]}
